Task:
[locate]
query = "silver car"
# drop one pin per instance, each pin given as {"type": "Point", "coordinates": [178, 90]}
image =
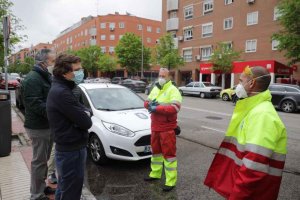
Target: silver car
{"type": "Point", "coordinates": [201, 89]}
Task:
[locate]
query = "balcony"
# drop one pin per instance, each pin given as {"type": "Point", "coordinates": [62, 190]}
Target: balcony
{"type": "Point", "coordinates": [93, 42]}
{"type": "Point", "coordinates": [93, 31]}
{"type": "Point", "coordinates": [172, 5]}
{"type": "Point", "coordinates": [172, 24]}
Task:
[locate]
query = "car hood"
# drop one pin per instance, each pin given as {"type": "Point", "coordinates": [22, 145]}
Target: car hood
{"type": "Point", "coordinates": [134, 120]}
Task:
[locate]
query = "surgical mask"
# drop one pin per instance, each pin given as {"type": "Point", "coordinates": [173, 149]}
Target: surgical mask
{"type": "Point", "coordinates": [161, 81]}
{"type": "Point", "coordinates": [78, 76]}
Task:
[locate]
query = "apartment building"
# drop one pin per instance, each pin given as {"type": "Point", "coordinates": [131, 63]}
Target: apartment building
{"type": "Point", "coordinates": [245, 25]}
{"type": "Point", "coordinates": [20, 55]}
{"type": "Point", "coordinates": [106, 31]}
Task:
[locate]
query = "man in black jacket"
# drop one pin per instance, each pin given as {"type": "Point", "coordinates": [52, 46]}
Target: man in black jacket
{"type": "Point", "coordinates": [35, 88]}
{"type": "Point", "coordinates": [69, 121]}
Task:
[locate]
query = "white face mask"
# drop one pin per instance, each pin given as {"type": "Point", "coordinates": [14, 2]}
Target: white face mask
{"type": "Point", "coordinates": [161, 81]}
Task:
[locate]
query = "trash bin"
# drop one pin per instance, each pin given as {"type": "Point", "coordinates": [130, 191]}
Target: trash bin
{"type": "Point", "coordinates": [5, 123]}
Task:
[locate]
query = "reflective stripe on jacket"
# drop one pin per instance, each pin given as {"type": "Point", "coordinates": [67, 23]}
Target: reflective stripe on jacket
{"type": "Point", "coordinates": [169, 100]}
{"type": "Point", "coordinates": [250, 160]}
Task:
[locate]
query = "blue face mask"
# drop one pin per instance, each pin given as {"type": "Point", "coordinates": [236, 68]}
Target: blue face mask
{"type": "Point", "coordinates": [78, 76]}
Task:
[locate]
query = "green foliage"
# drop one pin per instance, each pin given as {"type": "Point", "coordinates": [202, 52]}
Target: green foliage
{"type": "Point", "coordinates": [107, 63]}
{"type": "Point", "coordinates": [166, 54]}
{"type": "Point", "coordinates": [21, 67]}
{"type": "Point", "coordinates": [289, 36]}
{"type": "Point", "coordinates": [89, 58]}
{"type": "Point", "coordinates": [223, 57]}
{"type": "Point", "coordinates": [129, 52]}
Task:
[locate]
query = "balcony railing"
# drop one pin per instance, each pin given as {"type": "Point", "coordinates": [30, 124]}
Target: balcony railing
{"type": "Point", "coordinates": [172, 5]}
{"type": "Point", "coordinates": [172, 24]}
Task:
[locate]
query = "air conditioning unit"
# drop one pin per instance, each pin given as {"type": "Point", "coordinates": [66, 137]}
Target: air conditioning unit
{"type": "Point", "coordinates": [180, 38]}
{"type": "Point", "coordinates": [198, 57]}
{"type": "Point", "coordinates": [250, 1]}
{"type": "Point", "coordinates": [112, 28]}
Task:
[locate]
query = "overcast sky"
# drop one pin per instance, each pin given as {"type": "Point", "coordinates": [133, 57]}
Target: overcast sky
{"type": "Point", "coordinates": [45, 19]}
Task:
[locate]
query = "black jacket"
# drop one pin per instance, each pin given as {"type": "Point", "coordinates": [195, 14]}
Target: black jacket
{"type": "Point", "coordinates": [67, 117]}
{"type": "Point", "coordinates": [34, 89]}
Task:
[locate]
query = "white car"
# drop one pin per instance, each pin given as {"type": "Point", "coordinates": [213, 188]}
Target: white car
{"type": "Point", "coordinates": [201, 89]}
{"type": "Point", "coordinates": [121, 124]}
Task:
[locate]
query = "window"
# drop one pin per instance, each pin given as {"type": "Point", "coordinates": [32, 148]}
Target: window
{"type": "Point", "coordinates": [149, 28]}
{"type": "Point", "coordinates": [275, 43]}
{"type": "Point", "coordinates": [250, 46]}
{"type": "Point", "coordinates": [71, 39]}
{"type": "Point", "coordinates": [207, 30]}
{"type": "Point", "coordinates": [112, 25]}
{"type": "Point", "coordinates": [208, 6]}
{"type": "Point", "coordinates": [227, 45]}
{"type": "Point", "coordinates": [103, 49]}
{"type": "Point", "coordinates": [227, 2]}
{"type": "Point", "coordinates": [120, 37]}
{"type": "Point", "coordinates": [111, 49]}
{"type": "Point", "coordinates": [121, 25]}
{"type": "Point", "coordinates": [252, 18]}
{"type": "Point", "coordinates": [158, 30]}
{"type": "Point", "coordinates": [86, 32]}
{"type": "Point", "coordinates": [139, 27]}
{"type": "Point", "coordinates": [275, 88]}
{"type": "Point", "coordinates": [190, 85]}
{"type": "Point", "coordinates": [228, 23]}
{"type": "Point", "coordinates": [81, 33]}
{"type": "Point", "coordinates": [188, 34]}
{"type": "Point", "coordinates": [103, 37]}
{"type": "Point", "coordinates": [188, 55]}
{"type": "Point", "coordinates": [173, 14]}
{"type": "Point", "coordinates": [112, 37]}
{"type": "Point", "coordinates": [149, 40]}
{"type": "Point", "coordinates": [205, 52]}
{"type": "Point", "coordinates": [188, 12]}
{"type": "Point", "coordinates": [103, 25]}
{"type": "Point", "coordinates": [276, 14]}
{"type": "Point", "coordinates": [290, 89]}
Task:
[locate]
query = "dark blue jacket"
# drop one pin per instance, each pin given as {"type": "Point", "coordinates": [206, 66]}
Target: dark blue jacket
{"type": "Point", "coordinates": [67, 117]}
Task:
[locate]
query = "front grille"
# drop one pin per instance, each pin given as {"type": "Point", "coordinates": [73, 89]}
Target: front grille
{"type": "Point", "coordinates": [143, 141]}
{"type": "Point", "coordinates": [144, 153]}
{"type": "Point", "coordinates": [120, 152]}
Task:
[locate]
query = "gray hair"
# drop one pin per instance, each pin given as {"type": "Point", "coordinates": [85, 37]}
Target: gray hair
{"type": "Point", "coordinates": [43, 55]}
{"type": "Point", "coordinates": [164, 70]}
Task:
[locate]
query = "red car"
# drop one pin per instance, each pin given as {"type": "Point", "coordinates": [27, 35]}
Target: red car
{"type": "Point", "coordinates": [12, 82]}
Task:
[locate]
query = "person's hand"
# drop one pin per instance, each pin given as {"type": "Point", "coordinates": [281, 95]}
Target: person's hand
{"type": "Point", "coordinates": [152, 109]}
{"type": "Point", "coordinates": [153, 103]}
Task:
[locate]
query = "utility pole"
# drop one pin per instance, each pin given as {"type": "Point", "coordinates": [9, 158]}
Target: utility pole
{"type": "Point", "coordinates": [142, 67]}
{"type": "Point", "coordinates": [6, 32]}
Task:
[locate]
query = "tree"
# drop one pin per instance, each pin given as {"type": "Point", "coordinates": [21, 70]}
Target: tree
{"type": "Point", "coordinates": [89, 58]}
{"type": "Point", "coordinates": [27, 65]}
{"type": "Point", "coordinates": [129, 52]}
{"type": "Point", "coordinates": [222, 59]}
{"type": "Point", "coordinates": [289, 36]}
{"type": "Point", "coordinates": [107, 63]}
{"type": "Point", "coordinates": [166, 54]}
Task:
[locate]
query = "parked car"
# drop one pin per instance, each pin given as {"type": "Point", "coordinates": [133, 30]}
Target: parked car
{"type": "Point", "coordinates": [121, 124]}
{"type": "Point", "coordinates": [150, 86]}
{"type": "Point", "coordinates": [101, 80]}
{"type": "Point", "coordinates": [117, 80]}
{"type": "Point", "coordinates": [226, 94]}
{"type": "Point", "coordinates": [285, 97]}
{"type": "Point", "coordinates": [137, 86]}
{"type": "Point", "coordinates": [201, 89]}
{"type": "Point", "coordinates": [12, 82]}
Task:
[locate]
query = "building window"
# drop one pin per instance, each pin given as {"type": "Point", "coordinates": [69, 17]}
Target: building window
{"type": "Point", "coordinates": [149, 40]}
{"type": "Point", "coordinates": [81, 33]}
{"type": "Point", "coordinates": [112, 25]}
{"type": "Point", "coordinates": [227, 2]}
{"type": "Point", "coordinates": [112, 37]}
{"type": "Point", "coordinates": [188, 34]}
{"type": "Point", "coordinates": [149, 28]}
{"type": "Point", "coordinates": [103, 25]}
{"type": "Point", "coordinates": [208, 6]}
{"type": "Point", "coordinates": [227, 45]}
{"type": "Point", "coordinates": [103, 37]}
{"type": "Point", "coordinates": [111, 49]}
{"type": "Point", "coordinates": [121, 25]}
{"type": "Point", "coordinates": [207, 30]}
{"type": "Point", "coordinates": [71, 39]}
{"type": "Point", "coordinates": [276, 14]}
{"type": "Point", "coordinates": [158, 30]}
{"type": "Point", "coordinates": [275, 43]}
{"type": "Point", "coordinates": [188, 12]}
{"type": "Point", "coordinates": [103, 49]}
{"type": "Point", "coordinates": [173, 14]}
{"type": "Point", "coordinates": [120, 37]}
{"type": "Point", "coordinates": [205, 52]}
{"type": "Point", "coordinates": [251, 46]}
{"type": "Point", "coordinates": [139, 27]}
{"type": "Point", "coordinates": [228, 23]}
{"type": "Point", "coordinates": [188, 55]}
{"type": "Point", "coordinates": [86, 32]}
{"type": "Point", "coordinates": [252, 18]}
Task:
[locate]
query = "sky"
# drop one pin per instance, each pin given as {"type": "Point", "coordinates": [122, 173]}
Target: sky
{"type": "Point", "coordinates": [45, 19]}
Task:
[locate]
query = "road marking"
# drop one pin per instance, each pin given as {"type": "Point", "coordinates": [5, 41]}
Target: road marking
{"type": "Point", "coordinates": [221, 131]}
{"type": "Point", "coordinates": [207, 111]}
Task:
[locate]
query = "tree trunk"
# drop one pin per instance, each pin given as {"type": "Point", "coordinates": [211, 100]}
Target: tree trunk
{"type": "Point", "coordinates": [223, 81]}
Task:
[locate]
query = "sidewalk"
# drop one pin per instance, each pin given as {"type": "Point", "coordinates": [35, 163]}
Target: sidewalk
{"type": "Point", "coordinates": [15, 168]}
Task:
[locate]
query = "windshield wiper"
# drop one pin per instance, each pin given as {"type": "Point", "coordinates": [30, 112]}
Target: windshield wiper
{"type": "Point", "coordinates": [132, 108]}
{"type": "Point", "coordinates": [106, 109]}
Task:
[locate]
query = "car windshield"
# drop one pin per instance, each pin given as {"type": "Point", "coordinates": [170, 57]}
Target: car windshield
{"type": "Point", "coordinates": [207, 84]}
{"type": "Point", "coordinates": [113, 99]}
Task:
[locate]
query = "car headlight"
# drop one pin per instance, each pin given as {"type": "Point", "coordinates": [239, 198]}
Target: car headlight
{"type": "Point", "coordinates": [117, 129]}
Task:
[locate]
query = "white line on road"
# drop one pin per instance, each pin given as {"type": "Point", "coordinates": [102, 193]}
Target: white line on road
{"type": "Point", "coordinates": [221, 131]}
{"type": "Point", "coordinates": [208, 111]}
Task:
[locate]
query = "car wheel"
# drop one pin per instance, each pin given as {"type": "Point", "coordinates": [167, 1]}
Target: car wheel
{"type": "Point", "coordinates": [181, 92]}
{"type": "Point", "coordinates": [225, 97]}
{"type": "Point", "coordinates": [202, 95]}
{"type": "Point", "coordinates": [288, 106]}
{"type": "Point", "coordinates": [96, 150]}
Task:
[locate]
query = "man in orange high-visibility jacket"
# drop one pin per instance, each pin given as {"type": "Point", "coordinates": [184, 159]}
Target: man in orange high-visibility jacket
{"type": "Point", "coordinates": [250, 160]}
{"type": "Point", "coordinates": [164, 103]}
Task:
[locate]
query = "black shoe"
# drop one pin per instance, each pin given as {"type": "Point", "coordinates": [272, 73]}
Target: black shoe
{"type": "Point", "coordinates": [167, 188]}
{"type": "Point", "coordinates": [148, 179]}
{"type": "Point", "coordinates": [48, 190]}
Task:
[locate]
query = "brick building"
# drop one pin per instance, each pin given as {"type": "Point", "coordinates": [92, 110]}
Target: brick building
{"type": "Point", "coordinates": [105, 32]}
{"type": "Point", "coordinates": [20, 55]}
{"type": "Point", "coordinates": [245, 25]}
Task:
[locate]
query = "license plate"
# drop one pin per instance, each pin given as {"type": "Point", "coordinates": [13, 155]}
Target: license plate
{"type": "Point", "coordinates": [147, 149]}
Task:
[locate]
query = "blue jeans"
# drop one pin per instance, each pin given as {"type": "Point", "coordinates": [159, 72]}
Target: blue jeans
{"type": "Point", "coordinates": [70, 169]}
